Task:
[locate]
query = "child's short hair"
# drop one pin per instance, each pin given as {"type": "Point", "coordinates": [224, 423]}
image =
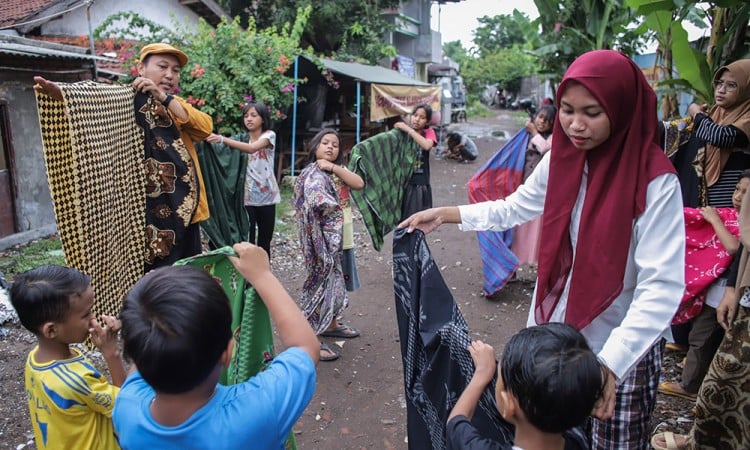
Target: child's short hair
{"type": "Point", "coordinates": [313, 144]}
{"type": "Point", "coordinates": [427, 111]}
{"type": "Point", "coordinates": [553, 373]}
{"type": "Point", "coordinates": [262, 111]}
{"type": "Point", "coordinates": [176, 323]}
{"type": "Point", "coordinates": [42, 294]}
{"type": "Point", "coordinates": [744, 174]}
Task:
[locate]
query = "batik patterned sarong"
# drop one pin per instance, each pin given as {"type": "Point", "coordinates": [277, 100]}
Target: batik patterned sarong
{"type": "Point", "coordinates": [320, 222]}
{"type": "Point", "coordinates": [434, 338]}
{"type": "Point", "coordinates": [171, 183]}
{"type": "Point", "coordinates": [496, 179]}
{"type": "Point", "coordinates": [721, 411]}
{"type": "Point", "coordinates": [385, 163]}
{"type": "Point", "coordinates": [93, 152]}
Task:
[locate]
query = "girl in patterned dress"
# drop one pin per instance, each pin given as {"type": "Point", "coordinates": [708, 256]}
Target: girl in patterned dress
{"type": "Point", "coordinates": [321, 201]}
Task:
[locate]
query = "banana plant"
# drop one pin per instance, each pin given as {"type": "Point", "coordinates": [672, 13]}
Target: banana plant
{"type": "Point", "coordinates": [694, 67]}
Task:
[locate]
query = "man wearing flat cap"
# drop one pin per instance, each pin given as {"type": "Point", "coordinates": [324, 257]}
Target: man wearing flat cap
{"type": "Point", "coordinates": [176, 198]}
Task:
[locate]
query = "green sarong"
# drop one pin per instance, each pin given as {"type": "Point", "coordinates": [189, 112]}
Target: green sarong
{"type": "Point", "coordinates": [385, 162]}
{"type": "Point", "coordinates": [224, 178]}
{"type": "Point", "coordinates": [251, 323]}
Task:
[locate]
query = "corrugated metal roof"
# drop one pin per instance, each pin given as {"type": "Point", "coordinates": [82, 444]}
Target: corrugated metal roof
{"type": "Point", "coordinates": [370, 74]}
{"type": "Point", "coordinates": [37, 49]}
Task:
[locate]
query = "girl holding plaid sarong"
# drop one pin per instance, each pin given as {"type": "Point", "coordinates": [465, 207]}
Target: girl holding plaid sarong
{"type": "Point", "coordinates": [324, 218]}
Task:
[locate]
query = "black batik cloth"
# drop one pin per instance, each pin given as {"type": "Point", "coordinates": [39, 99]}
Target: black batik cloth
{"type": "Point", "coordinates": [171, 187]}
{"type": "Point", "coordinates": [434, 339]}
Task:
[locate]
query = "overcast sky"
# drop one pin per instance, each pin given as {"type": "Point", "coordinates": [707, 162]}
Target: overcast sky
{"type": "Point", "coordinates": [457, 21]}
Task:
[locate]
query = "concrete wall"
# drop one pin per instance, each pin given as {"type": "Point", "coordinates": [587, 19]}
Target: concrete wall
{"type": "Point", "coordinates": [160, 11]}
{"type": "Point", "coordinates": [33, 202]}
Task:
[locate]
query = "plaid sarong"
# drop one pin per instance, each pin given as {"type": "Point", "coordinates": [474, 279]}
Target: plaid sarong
{"type": "Point", "coordinates": [93, 152]}
{"type": "Point", "coordinates": [385, 162]}
{"type": "Point", "coordinates": [496, 179]}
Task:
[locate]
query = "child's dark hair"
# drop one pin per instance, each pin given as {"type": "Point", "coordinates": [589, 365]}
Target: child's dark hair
{"type": "Point", "coordinates": [42, 294]}
{"type": "Point", "coordinates": [263, 112]}
{"type": "Point", "coordinates": [427, 111]}
{"type": "Point", "coordinates": [553, 373]}
{"type": "Point", "coordinates": [313, 144]}
{"type": "Point", "coordinates": [176, 323]}
{"type": "Point", "coordinates": [549, 112]}
{"type": "Point", "coordinates": [744, 174]}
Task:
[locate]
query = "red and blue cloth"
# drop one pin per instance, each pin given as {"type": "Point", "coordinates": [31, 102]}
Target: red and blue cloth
{"type": "Point", "coordinates": [497, 178]}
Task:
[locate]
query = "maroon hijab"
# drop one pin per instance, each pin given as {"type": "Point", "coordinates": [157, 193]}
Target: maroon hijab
{"type": "Point", "coordinates": [619, 171]}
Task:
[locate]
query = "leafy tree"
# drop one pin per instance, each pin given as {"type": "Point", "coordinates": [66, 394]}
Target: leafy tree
{"type": "Point", "coordinates": [506, 67]}
{"type": "Point", "coordinates": [456, 52]}
{"type": "Point", "coordinates": [501, 31]}
{"type": "Point", "coordinates": [348, 29]}
{"type": "Point", "coordinates": [230, 66]}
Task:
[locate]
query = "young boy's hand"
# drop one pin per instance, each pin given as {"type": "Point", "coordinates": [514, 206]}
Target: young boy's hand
{"type": "Point", "coordinates": [252, 261]}
{"type": "Point", "coordinates": [484, 361]}
{"type": "Point", "coordinates": [105, 337]}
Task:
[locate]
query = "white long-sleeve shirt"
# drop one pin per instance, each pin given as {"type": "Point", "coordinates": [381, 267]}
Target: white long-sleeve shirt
{"type": "Point", "coordinates": [654, 279]}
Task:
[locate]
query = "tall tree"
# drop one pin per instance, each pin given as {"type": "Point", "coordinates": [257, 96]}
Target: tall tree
{"type": "Point", "coordinates": [343, 27]}
{"type": "Point", "coordinates": [501, 31]}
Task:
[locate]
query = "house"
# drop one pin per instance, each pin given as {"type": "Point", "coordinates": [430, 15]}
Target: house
{"type": "Point", "coordinates": [34, 38]}
{"type": "Point", "coordinates": [416, 43]}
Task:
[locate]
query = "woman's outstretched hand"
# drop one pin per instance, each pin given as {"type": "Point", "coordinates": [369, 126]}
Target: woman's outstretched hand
{"type": "Point", "coordinates": [430, 219]}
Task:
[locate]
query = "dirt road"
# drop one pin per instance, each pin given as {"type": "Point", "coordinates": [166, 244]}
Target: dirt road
{"type": "Point", "coordinates": [359, 402]}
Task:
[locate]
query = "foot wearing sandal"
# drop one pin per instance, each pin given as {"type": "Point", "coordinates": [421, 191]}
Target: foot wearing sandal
{"type": "Point", "coordinates": [672, 347]}
{"type": "Point", "coordinates": [674, 389]}
{"type": "Point", "coordinates": [671, 441]}
{"type": "Point", "coordinates": [339, 330]}
{"type": "Point", "coordinates": [327, 353]}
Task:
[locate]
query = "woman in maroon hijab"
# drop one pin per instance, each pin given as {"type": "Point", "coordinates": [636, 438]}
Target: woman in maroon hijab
{"type": "Point", "coordinates": [612, 244]}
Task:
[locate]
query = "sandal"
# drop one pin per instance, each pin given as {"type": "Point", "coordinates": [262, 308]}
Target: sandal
{"type": "Point", "coordinates": [341, 331]}
{"type": "Point", "coordinates": [674, 389]}
{"type": "Point", "coordinates": [332, 356]}
{"type": "Point", "coordinates": [672, 347]}
{"type": "Point", "coordinates": [670, 443]}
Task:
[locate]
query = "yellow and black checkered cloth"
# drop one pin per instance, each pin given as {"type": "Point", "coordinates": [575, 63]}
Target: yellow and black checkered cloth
{"type": "Point", "coordinates": [94, 151]}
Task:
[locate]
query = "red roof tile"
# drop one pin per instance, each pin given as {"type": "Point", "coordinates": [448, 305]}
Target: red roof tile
{"type": "Point", "coordinates": [14, 11]}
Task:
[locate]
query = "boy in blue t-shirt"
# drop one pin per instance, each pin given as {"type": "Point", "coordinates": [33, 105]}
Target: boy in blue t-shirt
{"type": "Point", "coordinates": [176, 327]}
{"type": "Point", "coordinates": [70, 401]}
{"type": "Point", "coordinates": [548, 384]}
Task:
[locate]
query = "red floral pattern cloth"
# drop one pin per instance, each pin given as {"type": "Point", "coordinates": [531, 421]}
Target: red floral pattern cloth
{"type": "Point", "coordinates": [705, 259]}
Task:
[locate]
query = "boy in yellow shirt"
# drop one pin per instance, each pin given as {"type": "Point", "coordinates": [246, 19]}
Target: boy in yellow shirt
{"type": "Point", "coordinates": [70, 401]}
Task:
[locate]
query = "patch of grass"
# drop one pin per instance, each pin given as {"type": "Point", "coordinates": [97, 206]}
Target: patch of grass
{"type": "Point", "coordinates": [520, 117]}
{"type": "Point", "coordinates": [475, 108]}
{"type": "Point", "coordinates": [285, 209]}
{"type": "Point", "coordinates": [34, 254]}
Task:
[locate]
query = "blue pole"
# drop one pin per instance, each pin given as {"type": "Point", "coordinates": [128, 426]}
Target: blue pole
{"type": "Point", "coordinates": [294, 115]}
{"type": "Point", "coordinates": [359, 108]}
